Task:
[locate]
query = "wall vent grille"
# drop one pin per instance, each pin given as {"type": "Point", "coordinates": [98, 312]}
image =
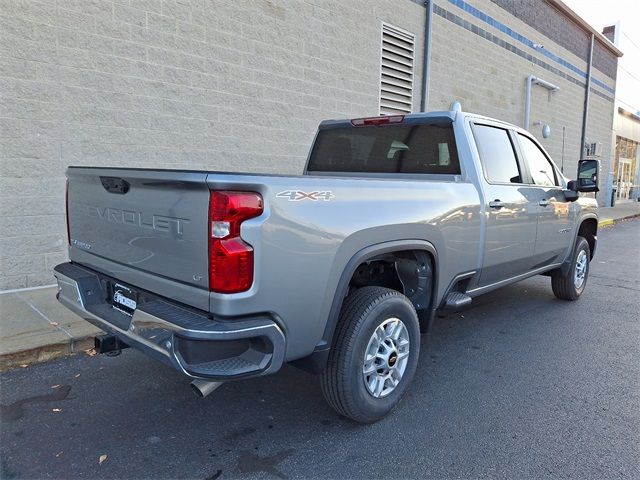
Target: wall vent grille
{"type": "Point", "coordinates": [396, 72]}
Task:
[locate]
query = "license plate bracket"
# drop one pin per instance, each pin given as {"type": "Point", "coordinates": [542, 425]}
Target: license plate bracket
{"type": "Point", "coordinates": [124, 299]}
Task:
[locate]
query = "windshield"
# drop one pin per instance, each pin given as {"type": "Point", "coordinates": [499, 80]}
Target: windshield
{"type": "Point", "coordinates": [417, 149]}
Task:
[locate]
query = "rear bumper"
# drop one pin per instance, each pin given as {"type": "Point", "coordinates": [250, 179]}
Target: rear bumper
{"type": "Point", "coordinates": [189, 340]}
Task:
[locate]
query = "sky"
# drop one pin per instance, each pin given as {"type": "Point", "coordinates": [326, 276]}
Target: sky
{"type": "Point", "coordinates": [601, 13]}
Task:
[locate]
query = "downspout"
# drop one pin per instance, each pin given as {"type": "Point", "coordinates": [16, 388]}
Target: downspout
{"type": "Point", "coordinates": [527, 102]}
{"type": "Point", "coordinates": [587, 93]}
{"type": "Point", "coordinates": [533, 80]}
{"type": "Point", "coordinates": [426, 55]}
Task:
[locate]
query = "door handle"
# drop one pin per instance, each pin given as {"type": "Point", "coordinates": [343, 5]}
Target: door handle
{"type": "Point", "coordinates": [544, 203]}
{"type": "Point", "coordinates": [496, 204]}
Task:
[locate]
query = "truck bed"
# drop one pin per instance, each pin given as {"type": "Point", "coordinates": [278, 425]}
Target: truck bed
{"type": "Point", "coordinates": [154, 236]}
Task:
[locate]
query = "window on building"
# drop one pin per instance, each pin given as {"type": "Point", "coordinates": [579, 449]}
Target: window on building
{"type": "Point", "coordinates": [497, 154]}
{"type": "Point", "coordinates": [396, 71]}
{"type": "Point", "coordinates": [541, 170]}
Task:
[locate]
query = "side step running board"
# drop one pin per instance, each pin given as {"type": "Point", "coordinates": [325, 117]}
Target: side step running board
{"type": "Point", "coordinates": [457, 300]}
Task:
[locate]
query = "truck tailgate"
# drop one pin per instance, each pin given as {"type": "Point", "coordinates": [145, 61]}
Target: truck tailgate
{"type": "Point", "coordinates": [153, 221]}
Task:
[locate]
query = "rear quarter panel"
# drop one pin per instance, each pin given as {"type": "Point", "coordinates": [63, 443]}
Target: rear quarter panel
{"type": "Point", "coordinates": [302, 247]}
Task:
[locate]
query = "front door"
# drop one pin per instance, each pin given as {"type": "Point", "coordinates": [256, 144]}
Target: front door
{"type": "Point", "coordinates": [555, 213]}
{"type": "Point", "coordinates": [511, 207]}
{"type": "Point", "coordinates": [624, 178]}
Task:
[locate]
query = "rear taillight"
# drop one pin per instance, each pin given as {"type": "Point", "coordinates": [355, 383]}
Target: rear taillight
{"type": "Point", "coordinates": [66, 210]}
{"type": "Point", "coordinates": [230, 257]}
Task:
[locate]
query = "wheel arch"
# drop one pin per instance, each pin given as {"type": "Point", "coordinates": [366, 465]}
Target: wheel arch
{"type": "Point", "coordinates": [588, 228]}
{"type": "Point", "coordinates": [316, 362]}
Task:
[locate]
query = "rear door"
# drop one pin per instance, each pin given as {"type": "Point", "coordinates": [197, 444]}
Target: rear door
{"type": "Point", "coordinates": [151, 221]}
{"type": "Point", "coordinates": [512, 208]}
{"type": "Point", "coordinates": [555, 215]}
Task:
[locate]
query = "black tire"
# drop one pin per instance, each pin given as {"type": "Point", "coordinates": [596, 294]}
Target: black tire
{"type": "Point", "coordinates": [343, 383]}
{"type": "Point", "coordinates": [564, 286]}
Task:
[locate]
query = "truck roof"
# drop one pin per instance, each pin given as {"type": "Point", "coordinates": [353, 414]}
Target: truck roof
{"type": "Point", "coordinates": [423, 117]}
{"type": "Point", "coordinates": [417, 118]}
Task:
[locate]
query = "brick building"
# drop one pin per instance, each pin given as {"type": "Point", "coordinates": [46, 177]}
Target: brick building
{"type": "Point", "coordinates": [241, 85]}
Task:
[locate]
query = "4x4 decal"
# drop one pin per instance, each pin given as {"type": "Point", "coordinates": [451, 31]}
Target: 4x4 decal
{"type": "Point", "coordinates": [298, 195]}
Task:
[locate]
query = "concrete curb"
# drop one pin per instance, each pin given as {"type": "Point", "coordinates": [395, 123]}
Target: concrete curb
{"type": "Point", "coordinates": [36, 328]}
{"type": "Point", "coordinates": [45, 353]}
{"type": "Point", "coordinates": [606, 222]}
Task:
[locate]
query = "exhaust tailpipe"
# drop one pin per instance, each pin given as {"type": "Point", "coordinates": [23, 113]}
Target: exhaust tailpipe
{"type": "Point", "coordinates": [202, 388]}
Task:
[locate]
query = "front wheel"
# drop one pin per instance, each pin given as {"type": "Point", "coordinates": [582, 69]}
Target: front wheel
{"type": "Point", "coordinates": [375, 354]}
{"type": "Point", "coordinates": [571, 285]}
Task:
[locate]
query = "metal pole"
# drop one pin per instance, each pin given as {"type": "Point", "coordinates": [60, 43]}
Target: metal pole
{"type": "Point", "coordinates": [527, 102]}
{"type": "Point", "coordinates": [562, 157]}
{"type": "Point", "coordinates": [587, 93]}
{"type": "Point", "coordinates": [426, 57]}
{"type": "Point", "coordinates": [533, 80]}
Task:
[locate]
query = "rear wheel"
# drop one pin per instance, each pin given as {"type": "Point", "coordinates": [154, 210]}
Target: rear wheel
{"type": "Point", "coordinates": [374, 356]}
{"type": "Point", "coordinates": [571, 285]}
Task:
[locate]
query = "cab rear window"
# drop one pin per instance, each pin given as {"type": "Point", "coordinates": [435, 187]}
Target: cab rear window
{"type": "Point", "coordinates": [416, 149]}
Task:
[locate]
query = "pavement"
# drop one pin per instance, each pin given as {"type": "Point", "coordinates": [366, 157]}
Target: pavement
{"type": "Point", "coordinates": [519, 385]}
{"type": "Point", "coordinates": [34, 327]}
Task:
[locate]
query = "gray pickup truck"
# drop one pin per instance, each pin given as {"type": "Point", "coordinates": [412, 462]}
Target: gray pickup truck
{"type": "Point", "coordinates": [225, 276]}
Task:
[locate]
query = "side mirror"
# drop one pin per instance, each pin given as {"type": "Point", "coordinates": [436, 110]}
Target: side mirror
{"type": "Point", "coordinates": [571, 193]}
{"type": "Point", "coordinates": [587, 176]}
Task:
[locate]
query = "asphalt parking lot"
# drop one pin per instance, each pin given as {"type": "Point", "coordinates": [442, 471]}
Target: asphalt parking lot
{"type": "Point", "coordinates": [520, 385]}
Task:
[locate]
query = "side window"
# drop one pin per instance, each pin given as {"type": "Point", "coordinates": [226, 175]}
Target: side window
{"type": "Point", "coordinates": [497, 154]}
{"type": "Point", "coordinates": [541, 170]}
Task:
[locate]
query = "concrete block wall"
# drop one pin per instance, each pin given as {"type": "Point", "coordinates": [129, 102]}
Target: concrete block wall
{"type": "Point", "coordinates": [235, 85]}
{"type": "Point", "coordinates": [483, 71]}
